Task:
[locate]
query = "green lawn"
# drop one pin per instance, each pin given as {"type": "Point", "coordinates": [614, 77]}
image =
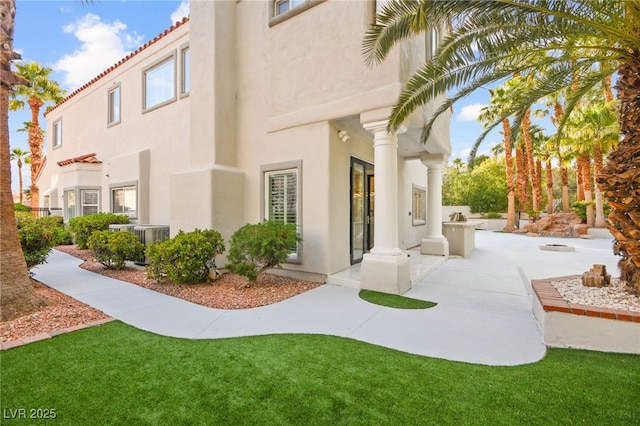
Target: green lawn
{"type": "Point", "coordinates": [115, 374]}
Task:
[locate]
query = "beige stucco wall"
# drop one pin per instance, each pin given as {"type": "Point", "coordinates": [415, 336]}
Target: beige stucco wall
{"type": "Point", "coordinates": [262, 94]}
{"type": "Point", "coordinates": [143, 148]}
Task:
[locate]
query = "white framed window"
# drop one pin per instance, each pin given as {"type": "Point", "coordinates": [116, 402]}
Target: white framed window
{"type": "Point", "coordinates": [282, 6]}
{"type": "Point", "coordinates": [90, 201]}
{"type": "Point", "coordinates": [57, 134]}
{"type": "Point", "coordinates": [81, 202]}
{"type": "Point", "coordinates": [69, 204]}
{"type": "Point", "coordinates": [185, 74]}
{"type": "Point", "coordinates": [114, 106]}
{"type": "Point", "coordinates": [124, 200]}
{"type": "Point", "coordinates": [419, 207]}
{"type": "Point", "coordinates": [282, 198]}
{"type": "Point", "coordinates": [159, 82]}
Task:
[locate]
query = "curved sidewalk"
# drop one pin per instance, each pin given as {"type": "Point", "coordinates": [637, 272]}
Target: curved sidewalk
{"type": "Point", "coordinates": [483, 315]}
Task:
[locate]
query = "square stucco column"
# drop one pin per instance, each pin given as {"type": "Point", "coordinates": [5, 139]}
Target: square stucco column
{"type": "Point", "coordinates": [386, 267]}
{"type": "Point", "coordinates": [434, 243]}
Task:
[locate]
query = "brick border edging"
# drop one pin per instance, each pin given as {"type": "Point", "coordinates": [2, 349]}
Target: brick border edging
{"type": "Point", "coordinates": [552, 301]}
{"type": "Point", "coordinates": [49, 335]}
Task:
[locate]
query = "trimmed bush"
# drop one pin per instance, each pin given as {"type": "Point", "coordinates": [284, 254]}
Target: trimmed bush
{"type": "Point", "coordinates": [21, 208]}
{"type": "Point", "coordinates": [185, 258]}
{"type": "Point", "coordinates": [113, 249]}
{"type": "Point", "coordinates": [83, 226]}
{"type": "Point", "coordinates": [255, 248]}
{"type": "Point", "coordinates": [61, 235]}
{"type": "Point", "coordinates": [36, 240]}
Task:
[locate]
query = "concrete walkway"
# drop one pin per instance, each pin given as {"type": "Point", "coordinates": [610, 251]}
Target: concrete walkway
{"type": "Point", "coordinates": [483, 315]}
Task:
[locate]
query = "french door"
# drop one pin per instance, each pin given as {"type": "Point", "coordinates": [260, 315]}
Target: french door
{"type": "Point", "coordinates": [362, 208]}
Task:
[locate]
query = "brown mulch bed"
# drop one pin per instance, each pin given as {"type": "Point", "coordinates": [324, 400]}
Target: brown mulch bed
{"type": "Point", "coordinates": [60, 312]}
{"type": "Point", "coordinates": [230, 291]}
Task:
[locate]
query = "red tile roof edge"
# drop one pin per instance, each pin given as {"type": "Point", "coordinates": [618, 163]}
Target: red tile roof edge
{"type": "Point", "coordinates": [87, 158]}
{"type": "Point", "coordinates": [120, 62]}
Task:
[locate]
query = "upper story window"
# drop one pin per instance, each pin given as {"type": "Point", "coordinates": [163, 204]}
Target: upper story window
{"type": "Point", "coordinates": [57, 133]}
{"type": "Point", "coordinates": [433, 45]}
{"type": "Point", "coordinates": [185, 75]}
{"type": "Point", "coordinates": [159, 83]}
{"type": "Point", "coordinates": [283, 6]}
{"type": "Point", "coordinates": [114, 106]}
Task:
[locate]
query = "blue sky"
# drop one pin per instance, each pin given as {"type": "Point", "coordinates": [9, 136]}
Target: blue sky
{"type": "Point", "coordinates": [80, 40]}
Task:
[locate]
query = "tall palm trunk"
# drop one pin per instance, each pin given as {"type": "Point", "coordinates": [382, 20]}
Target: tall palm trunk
{"type": "Point", "coordinates": [564, 177]}
{"type": "Point", "coordinates": [511, 197]}
{"type": "Point", "coordinates": [620, 177]}
{"type": "Point", "coordinates": [17, 296]}
{"type": "Point", "coordinates": [19, 163]}
{"type": "Point", "coordinates": [598, 165]}
{"type": "Point", "coordinates": [522, 189]}
{"type": "Point", "coordinates": [36, 140]}
{"type": "Point", "coordinates": [532, 174]}
{"type": "Point", "coordinates": [587, 186]}
{"type": "Point", "coordinates": [549, 175]}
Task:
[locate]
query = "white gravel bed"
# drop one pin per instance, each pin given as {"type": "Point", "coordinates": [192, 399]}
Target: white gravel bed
{"type": "Point", "coordinates": [614, 296]}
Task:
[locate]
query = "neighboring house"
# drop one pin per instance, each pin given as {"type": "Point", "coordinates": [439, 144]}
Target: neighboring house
{"type": "Point", "coordinates": [255, 110]}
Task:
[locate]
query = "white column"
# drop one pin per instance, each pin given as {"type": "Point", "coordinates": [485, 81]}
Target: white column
{"type": "Point", "coordinates": [386, 267]}
{"type": "Point", "coordinates": [434, 242]}
{"type": "Point", "coordinates": [385, 147]}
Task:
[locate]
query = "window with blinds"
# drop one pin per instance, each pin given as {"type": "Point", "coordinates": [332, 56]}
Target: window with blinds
{"type": "Point", "coordinates": [282, 190]}
{"type": "Point", "coordinates": [90, 201]}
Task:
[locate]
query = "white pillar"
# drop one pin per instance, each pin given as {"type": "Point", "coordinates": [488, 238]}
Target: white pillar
{"type": "Point", "coordinates": [386, 267]}
{"type": "Point", "coordinates": [434, 242]}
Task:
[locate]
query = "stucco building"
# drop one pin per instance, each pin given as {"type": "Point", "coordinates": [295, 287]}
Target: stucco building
{"type": "Point", "coordinates": [255, 110]}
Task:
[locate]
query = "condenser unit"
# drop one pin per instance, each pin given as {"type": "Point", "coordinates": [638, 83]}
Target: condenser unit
{"type": "Point", "coordinates": [127, 227]}
{"type": "Point", "coordinates": [150, 234]}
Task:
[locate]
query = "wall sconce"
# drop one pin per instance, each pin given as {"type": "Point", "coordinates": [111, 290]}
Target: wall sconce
{"type": "Point", "coordinates": [343, 135]}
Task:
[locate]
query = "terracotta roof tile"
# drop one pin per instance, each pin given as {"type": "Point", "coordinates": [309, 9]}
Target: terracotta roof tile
{"type": "Point", "coordinates": [87, 158]}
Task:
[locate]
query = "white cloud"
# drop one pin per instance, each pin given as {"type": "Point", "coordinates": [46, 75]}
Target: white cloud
{"type": "Point", "coordinates": [103, 44]}
{"type": "Point", "coordinates": [469, 112]}
{"type": "Point", "coordinates": [180, 12]}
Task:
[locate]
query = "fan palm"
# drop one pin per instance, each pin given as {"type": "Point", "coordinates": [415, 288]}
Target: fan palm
{"type": "Point", "coordinates": [39, 91]}
{"type": "Point", "coordinates": [490, 40]}
{"type": "Point", "coordinates": [18, 155]}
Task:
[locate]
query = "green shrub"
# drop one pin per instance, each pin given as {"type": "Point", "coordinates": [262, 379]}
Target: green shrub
{"type": "Point", "coordinates": [83, 226]}
{"type": "Point", "coordinates": [580, 208]}
{"type": "Point", "coordinates": [61, 235]}
{"type": "Point", "coordinates": [185, 258]}
{"type": "Point", "coordinates": [113, 249]}
{"type": "Point", "coordinates": [36, 240]}
{"type": "Point", "coordinates": [255, 248]}
{"type": "Point", "coordinates": [21, 208]}
{"type": "Point", "coordinates": [492, 215]}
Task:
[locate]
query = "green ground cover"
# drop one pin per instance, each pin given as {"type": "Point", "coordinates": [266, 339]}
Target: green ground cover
{"type": "Point", "coordinates": [115, 374]}
{"type": "Point", "coordinates": [394, 301]}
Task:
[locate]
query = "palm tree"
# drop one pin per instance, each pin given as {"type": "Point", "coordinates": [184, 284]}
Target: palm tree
{"type": "Point", "coordinates": [18, 155]}
{"type": "Point", "coordinates": [489, 40]}
{"type": "Point", "coordinates": [498, 97]}
{"type": "Point", "coordinates": [17, 296]}
{"type": "Point", "coordinates": [40, 91]}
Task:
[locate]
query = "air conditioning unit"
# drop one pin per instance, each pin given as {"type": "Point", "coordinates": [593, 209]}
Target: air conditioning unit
{"type": "Point", "coordinates": [150, 234]}
{"type": "Point", "coordinates": [128, 227]}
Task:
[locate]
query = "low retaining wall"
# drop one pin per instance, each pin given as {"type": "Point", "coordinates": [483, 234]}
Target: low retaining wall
{"type": "Point", "coordinates": [568, 325]}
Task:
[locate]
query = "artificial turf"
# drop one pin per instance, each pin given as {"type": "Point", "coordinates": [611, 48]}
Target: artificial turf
{"type": "Point", "coordinates": [394, 301]}
{"type": "Point", "coordinates": [116, 374]}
